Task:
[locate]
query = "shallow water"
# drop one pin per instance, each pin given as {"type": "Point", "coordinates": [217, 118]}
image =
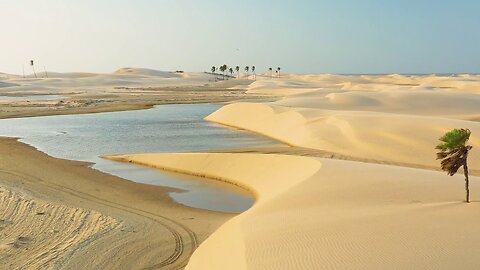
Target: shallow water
{"type": "Point", "coordinates": [165, 128]}
{"type": "Point", "coordinates": [31, 98]}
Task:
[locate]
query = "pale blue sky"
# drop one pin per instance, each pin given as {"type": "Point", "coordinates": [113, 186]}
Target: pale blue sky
{"type": "Point", "coordinates": [436, 36]}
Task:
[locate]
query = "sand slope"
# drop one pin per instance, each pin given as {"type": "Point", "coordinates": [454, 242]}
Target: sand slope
{"type": "Point", "coordinates": [326, 214]}
{"type": "Point", "coordinates": [374, 135]}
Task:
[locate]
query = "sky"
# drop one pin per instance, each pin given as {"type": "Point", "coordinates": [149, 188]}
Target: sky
{"type": "Point", "coordinates": [303, 36]}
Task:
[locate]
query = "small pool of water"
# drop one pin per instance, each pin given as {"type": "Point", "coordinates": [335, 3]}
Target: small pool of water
{"type": "Point", "coordinates": [31, 98]}
{"type": "Point", "coordinates": [165, 128]}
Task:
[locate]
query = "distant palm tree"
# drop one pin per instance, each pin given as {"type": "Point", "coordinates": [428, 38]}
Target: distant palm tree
{"type": "Point", "coordinates": [213, 69]}
{"type": "Point", "coordinates": [271, 74]}
{"type": "Point", "coordinates": [247, 68]}
{"type": "Point", "coordinates": [454, 154]}
{"type": "Point", "coordinates": [237, 69]}
{"type": "Point", "coordinates": [231, 71]}
{"type": "Point", "coordinates": [223, 68]}
{"type": "Point", "coordinates": [254, 74]}
{"type": "Point", "coordinates": [278, 70]}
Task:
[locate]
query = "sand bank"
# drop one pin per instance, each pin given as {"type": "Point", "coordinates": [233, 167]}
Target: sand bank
{"type": "Point", "coordinates": [59, 214]}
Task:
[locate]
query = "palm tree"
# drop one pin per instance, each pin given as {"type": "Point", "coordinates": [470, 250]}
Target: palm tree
{"type": "Point", "coordinates": [231, 71]}
{"type": "Point", "coordinates": [271, 74]}
{"type": "Point", "coordinates": [454, 154]}
{"type": "Point", "coordinates": [223, 69]}
{"type": "Point", "coordinates": [254, 74]}
{"type": "Point", "coordinates": [237, 69]}
{"type": "Point", "coordinates": [213, 69]}
{"type": "Point", "coordinates": [247, 68]}
{"type": "Point", "coordinates": [278, 71]}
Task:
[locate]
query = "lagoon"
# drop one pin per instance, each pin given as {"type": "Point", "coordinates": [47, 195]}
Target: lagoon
{"type": "Point", "coordinates": [164, 128]}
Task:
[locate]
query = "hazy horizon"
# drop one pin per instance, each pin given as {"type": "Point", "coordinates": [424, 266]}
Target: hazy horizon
{"type": "Point", "coordinates": [345, 37]}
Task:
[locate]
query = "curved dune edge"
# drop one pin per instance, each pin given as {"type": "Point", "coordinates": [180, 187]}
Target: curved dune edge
{"type": "Point", "coordinates": [393, 138]}
{"type": "Point", "coordinates": [254, 172]}
{"type": "Point", "coordinates": [267, 176]}
{"type": "Point", "coordinates": [330, 214]}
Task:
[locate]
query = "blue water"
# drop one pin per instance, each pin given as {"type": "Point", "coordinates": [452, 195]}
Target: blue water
{"type": "Point", "coordinates": [165, 128]}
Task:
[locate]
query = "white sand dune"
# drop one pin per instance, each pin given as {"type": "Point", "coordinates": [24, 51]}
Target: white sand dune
{"type": "Point", "coordinates": [457, 84]}
{"type": "Point", "coordinates": [54, 82]}
{"type": "Point", "coordinates": [380, 136]}
{"type": "Point", "coordinates": [327, 214]}
{"type": "Point", "coordinates": [147, 72]}
{"type": "Point", "coordinates": [394, 118]}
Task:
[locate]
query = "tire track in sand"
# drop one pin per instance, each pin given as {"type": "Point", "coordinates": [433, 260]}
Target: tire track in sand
{"type": "Point", "coordinates": [178, 231]}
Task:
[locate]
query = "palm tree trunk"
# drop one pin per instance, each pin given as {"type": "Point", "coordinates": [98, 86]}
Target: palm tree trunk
{"type": "Point", "coordinates": [467, 182]}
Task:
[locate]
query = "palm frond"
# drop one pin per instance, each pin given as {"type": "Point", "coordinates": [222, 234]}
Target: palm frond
{"type": "Point", "coordinates": [454, 139]}
{"type": "Point", "coordinates": [452, 161]}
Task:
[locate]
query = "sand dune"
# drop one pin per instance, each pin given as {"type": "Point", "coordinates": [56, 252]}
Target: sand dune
{"type": "Point", "coordinates": [326, 214]}
{"type": "Point", "coordinates": [418, 102]}
{"type": "Point", "coordinates": [453, 83]}
{"type": "Point", "coordinates": [374, 135]}
{"type": "Point", "coordinates": [394, 118]}
{"type": "Point", "coordinates": [147, 72]}
{"type": "Point", "coordinates": [94, 82]}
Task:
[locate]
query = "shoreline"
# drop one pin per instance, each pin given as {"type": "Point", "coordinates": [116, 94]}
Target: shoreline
{"type": "Point", "coordinates": [145, 210]}
{"type": "Point", "coordinates": [126, 99]}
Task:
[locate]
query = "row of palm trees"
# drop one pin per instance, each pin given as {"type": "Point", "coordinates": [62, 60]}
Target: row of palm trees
{"type": "Point", "coordinates": [225, 69]}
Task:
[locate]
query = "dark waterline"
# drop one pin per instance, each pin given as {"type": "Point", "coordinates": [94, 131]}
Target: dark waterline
{"type": "Point", "coordinates": [165, 128]}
